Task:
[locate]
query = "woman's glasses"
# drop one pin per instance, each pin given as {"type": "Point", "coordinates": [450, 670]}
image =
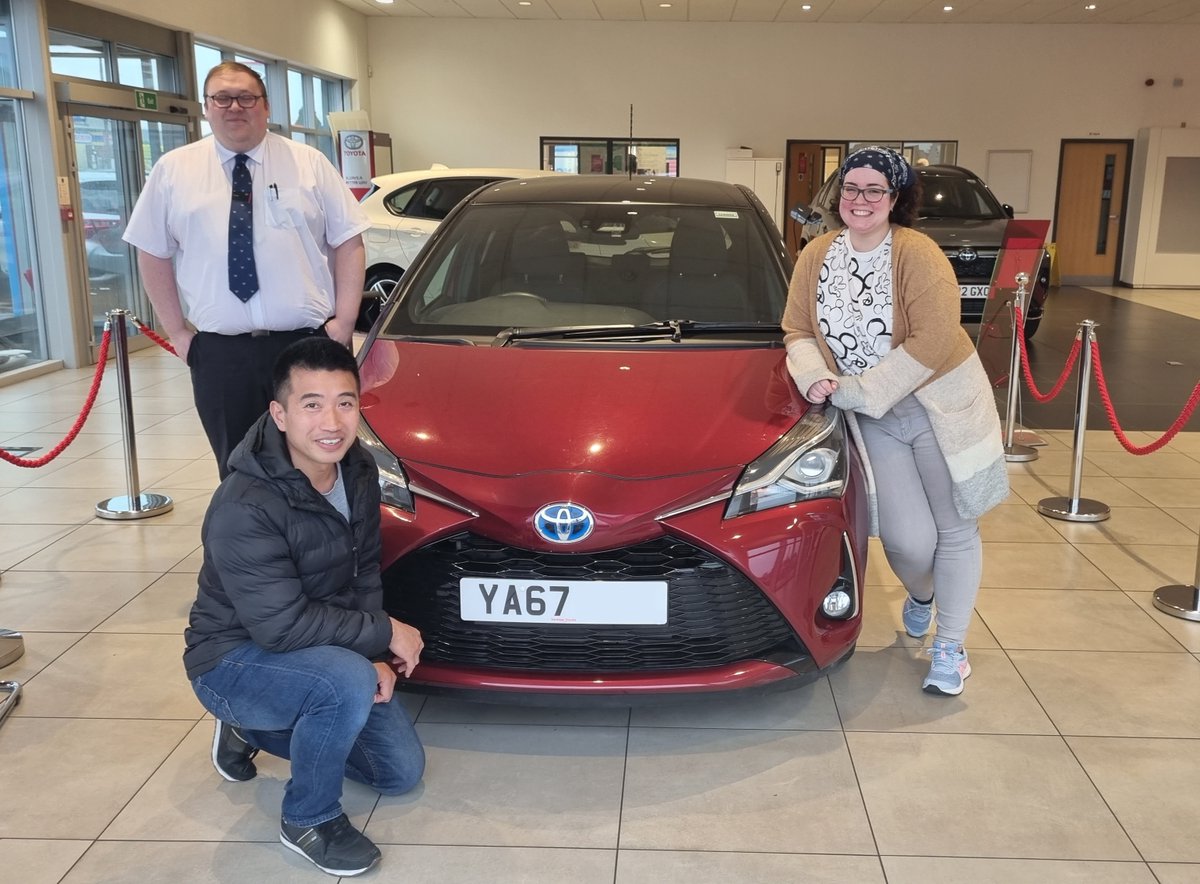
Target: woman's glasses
{"type": "Point", "coordinates": [870, 194]}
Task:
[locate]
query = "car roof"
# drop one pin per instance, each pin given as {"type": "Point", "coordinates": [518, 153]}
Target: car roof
{"type": "Point", "coordinates": [946, 171]}
{"type": "Point", "coordinates": [399, 179]}
{"type": "Point", "coordinates": [615, 189]}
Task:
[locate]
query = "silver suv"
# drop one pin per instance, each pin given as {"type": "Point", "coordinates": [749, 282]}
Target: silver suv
{"type": "Point", "coordinates": [962, 216]}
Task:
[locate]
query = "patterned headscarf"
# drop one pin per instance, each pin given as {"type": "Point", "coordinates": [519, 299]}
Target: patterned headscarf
{"type": "Point", "coordinates": [883, 160]}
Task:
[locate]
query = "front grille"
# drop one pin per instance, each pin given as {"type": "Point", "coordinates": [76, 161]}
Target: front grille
{"type": "Point", "coordinates": [975, 272]}
{"type": "Point", "coordinates": [714, 614]}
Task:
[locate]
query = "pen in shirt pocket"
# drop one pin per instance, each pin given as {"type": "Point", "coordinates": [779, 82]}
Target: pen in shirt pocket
{"type": "Point", "coordinates": [274, 188]}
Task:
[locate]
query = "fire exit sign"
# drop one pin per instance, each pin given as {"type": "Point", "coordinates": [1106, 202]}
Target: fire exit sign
{"type": "Point", "coordinates": [146, 100]}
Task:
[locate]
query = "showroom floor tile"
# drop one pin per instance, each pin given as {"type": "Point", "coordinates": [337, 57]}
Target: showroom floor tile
{"type": "Point", "coordinates": [1070, 757]}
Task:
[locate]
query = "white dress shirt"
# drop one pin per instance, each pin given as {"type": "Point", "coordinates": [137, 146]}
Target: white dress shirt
{"type": "Point", "coordinates": [302, 210]}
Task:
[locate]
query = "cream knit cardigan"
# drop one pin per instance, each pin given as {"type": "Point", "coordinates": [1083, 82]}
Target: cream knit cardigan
{"type": "Point", "coordinates": [931, 357]}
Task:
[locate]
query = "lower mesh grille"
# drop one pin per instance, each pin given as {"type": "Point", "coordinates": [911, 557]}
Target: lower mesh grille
{"type": "Point", "coordinates": [715, 615]}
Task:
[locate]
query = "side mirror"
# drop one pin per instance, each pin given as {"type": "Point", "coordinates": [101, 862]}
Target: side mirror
{"type": "Point", "coordinates": [805, 214]}
{"type": "Point", "coordinates": [1008, 210]}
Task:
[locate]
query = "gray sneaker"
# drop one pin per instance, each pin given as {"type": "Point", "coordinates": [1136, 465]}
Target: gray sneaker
{"type": "Point", "coordinates": [950, 668]}
{"type": "Point", "coordinates": [334, 846]}
{"type": "Point", "coordinates": [916, 616]}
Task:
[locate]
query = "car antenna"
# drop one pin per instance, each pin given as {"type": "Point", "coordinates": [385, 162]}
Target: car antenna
{"type": "Point", "coordinates": [629, 153]}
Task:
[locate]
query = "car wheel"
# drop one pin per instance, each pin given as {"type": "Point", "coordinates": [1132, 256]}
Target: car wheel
{"type": "Point", "coordinates": [376, 288]}
{"type": "Point", "coordinates": [1031, 327]}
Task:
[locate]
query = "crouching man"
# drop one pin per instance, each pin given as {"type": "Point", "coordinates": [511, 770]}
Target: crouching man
{"type": "Point", "coordinates": [288, 645]}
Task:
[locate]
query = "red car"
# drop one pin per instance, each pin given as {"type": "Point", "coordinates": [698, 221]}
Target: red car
{"type": "Point", "coordinates": [598, 477]}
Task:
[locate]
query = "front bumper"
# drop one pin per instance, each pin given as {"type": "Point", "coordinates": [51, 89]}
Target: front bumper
{"type": "Point", "coordinates": [744, 608]}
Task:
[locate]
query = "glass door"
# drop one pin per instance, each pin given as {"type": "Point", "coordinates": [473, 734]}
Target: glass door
{"type": "Point", "coordinates": [113, 155]}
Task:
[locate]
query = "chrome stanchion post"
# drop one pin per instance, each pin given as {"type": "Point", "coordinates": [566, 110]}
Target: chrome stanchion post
{"type": "Point", "coordinates": [135, 505]}
{"type": "Point", "coordinates": [1074, 509]}
{"type": "Point", "coordinates": [1179, 600]}
{"type": "Point", "coordinates": [1012, 451]}
{"type": "Point", "coordinates": [12, 646]}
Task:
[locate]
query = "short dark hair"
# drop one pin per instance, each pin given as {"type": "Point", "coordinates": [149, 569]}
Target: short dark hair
{"type": "Point", "coordinates": [316, 353]}
{"type": "Point", "coordinates": [234, 67]}
{"type": "Point", "coordinates": [904, 213]}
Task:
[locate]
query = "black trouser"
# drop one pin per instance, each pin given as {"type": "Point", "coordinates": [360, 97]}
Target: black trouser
{"type": "Point", "coordinates": [231, 383]}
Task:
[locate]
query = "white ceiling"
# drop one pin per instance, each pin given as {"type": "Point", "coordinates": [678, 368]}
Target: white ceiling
{"type": "Point", "coordinates": [865, 11]}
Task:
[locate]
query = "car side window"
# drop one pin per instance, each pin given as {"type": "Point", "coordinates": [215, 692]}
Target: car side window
{"type": "Point", "coordinates": [397, 203]}
{"type": "Point", "coordinates": [438, 197]}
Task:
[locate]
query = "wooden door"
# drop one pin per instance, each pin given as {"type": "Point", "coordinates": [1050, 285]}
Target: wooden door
{"type": "Point", "coordinates": [804, 179]}
{"type": "Point", "coordinates": [1090, 211]}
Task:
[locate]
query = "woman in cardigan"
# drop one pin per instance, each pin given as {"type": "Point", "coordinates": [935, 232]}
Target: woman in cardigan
{"type": "Point", "coordinates": [871, 325]}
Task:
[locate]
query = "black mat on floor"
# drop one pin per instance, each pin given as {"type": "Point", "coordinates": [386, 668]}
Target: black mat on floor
{"type": "Point", "coordinates": [1150, 357]}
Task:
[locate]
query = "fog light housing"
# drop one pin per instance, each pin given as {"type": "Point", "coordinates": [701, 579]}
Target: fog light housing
{"type": "Point", "coordinates": [837, 604]}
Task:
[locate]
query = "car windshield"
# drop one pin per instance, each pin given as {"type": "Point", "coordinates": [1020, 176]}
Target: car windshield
{"type": "Point", "coordinates": [945, 197]}
{"type": "Point", "coordinates": [579, 264]}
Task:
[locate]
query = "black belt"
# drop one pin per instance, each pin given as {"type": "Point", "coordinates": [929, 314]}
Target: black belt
{"type": "Point", "coordinates": [263, 332]}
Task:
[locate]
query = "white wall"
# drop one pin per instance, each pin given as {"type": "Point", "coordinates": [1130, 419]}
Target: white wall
{"type": "Point", "coordinates": [320, 34]}
{"type": "Point", "coordinates": [483, 92]}
{"type": "Point", "coordinates": [1162, 241]}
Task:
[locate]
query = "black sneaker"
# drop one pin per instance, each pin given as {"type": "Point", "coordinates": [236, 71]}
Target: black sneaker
{"type": "Point", "coordinates": [334, 846]}
{"type": "Point", "coordinates": [231, 754]}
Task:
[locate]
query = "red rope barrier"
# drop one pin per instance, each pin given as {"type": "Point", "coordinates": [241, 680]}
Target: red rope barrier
{"type": "Point", "coordinates": [148, 332]}
{"type": "Point", "coordinates": [1180, 422]}
{"type": "Point", "coordinates": [58, 449]}
{"type": "Point", "coordinates": [1062, 378]}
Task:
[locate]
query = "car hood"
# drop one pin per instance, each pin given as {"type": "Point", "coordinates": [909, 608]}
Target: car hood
{"type": "Point", "coordinates": [958, 232]}
{"type": "Point", "coordinates": [631, 413]}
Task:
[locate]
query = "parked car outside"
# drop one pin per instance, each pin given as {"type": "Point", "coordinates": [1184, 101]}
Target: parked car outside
{"type": "Point", "coordinates": [599, 479]}
{"type": "Point", "coordinates": [405, 208]}
{"type": "Point", "coordinates": [103, 206]}
{"type": "Point", "coordinates": [963, 216]}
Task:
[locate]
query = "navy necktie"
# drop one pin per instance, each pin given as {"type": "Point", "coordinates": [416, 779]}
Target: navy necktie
{"type": "Point", "coordinates": [243, 276]}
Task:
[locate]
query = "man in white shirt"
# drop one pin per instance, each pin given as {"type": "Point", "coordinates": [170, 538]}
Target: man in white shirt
{"type": "Point", "coordinates": [293, 229]}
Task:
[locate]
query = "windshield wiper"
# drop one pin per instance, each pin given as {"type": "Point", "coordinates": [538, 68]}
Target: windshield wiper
{"type": "Point", "coordinates": [676, 329]}
{"type": "Point", "coordinates": [566, 332]}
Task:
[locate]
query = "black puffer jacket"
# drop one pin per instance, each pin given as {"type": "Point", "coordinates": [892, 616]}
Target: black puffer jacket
{"type": "Point", "coordinates": [281, 566]}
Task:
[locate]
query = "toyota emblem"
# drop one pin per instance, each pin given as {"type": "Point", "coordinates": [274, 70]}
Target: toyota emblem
{"type": "Point", "coordinates": [967, 255]}
{"type": "Point", "coordinates": [564, 522]}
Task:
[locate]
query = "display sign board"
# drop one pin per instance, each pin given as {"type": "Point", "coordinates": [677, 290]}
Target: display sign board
{"type": "Point", "coordinates": [1021, 251]}
{"type": "Point", "coordinates": [357, 160]}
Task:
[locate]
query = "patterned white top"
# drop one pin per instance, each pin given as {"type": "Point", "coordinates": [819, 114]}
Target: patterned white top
{"type": "Point", "coordinates": [854, 303]}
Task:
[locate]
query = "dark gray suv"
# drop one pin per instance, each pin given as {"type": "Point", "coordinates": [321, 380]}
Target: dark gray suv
{"type": "Point", "coordinates": [962, 216]}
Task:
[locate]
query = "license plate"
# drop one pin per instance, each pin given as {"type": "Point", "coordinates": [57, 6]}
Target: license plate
{"type": "Point", "coordinates": [974, 292]}
{"type": "Point", "coordinates": [622, 602]}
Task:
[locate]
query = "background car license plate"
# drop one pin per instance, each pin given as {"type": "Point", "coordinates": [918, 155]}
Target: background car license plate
{"type": "Point", "coordinates": [563, 601]}
{"type": "Point", "coordinates": [974, 292]}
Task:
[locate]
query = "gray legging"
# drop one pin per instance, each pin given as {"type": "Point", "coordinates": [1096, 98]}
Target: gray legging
{"type": "Point", "coordinates": [934, 551]}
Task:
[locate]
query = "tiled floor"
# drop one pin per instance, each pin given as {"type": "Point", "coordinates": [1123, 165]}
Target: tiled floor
{"type": "Point", "coordinates": [1073, 755]}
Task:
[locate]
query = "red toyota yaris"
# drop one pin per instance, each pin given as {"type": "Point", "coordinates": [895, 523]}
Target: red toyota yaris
{"type": "Point", "coordinates": [598, 476]}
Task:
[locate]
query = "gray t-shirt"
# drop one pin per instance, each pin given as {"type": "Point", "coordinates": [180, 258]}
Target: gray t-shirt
{"type": "Point", "coordinates": [337, 496]}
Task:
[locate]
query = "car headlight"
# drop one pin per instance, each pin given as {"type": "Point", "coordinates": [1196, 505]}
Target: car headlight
{"type": "Point", "coordinates": [809, 462]}
{"type": "Point", "coordinates": [393, 484]}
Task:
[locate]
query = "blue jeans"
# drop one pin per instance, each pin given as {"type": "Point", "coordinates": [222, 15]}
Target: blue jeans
{"type": "Point", "coordinates": [316, 707]}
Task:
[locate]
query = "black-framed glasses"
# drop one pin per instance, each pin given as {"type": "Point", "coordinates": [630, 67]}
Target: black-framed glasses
{"type": "Point", "coordinates": [870, 194]}
{"type": "Point", "coordinates": [246, 99]}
